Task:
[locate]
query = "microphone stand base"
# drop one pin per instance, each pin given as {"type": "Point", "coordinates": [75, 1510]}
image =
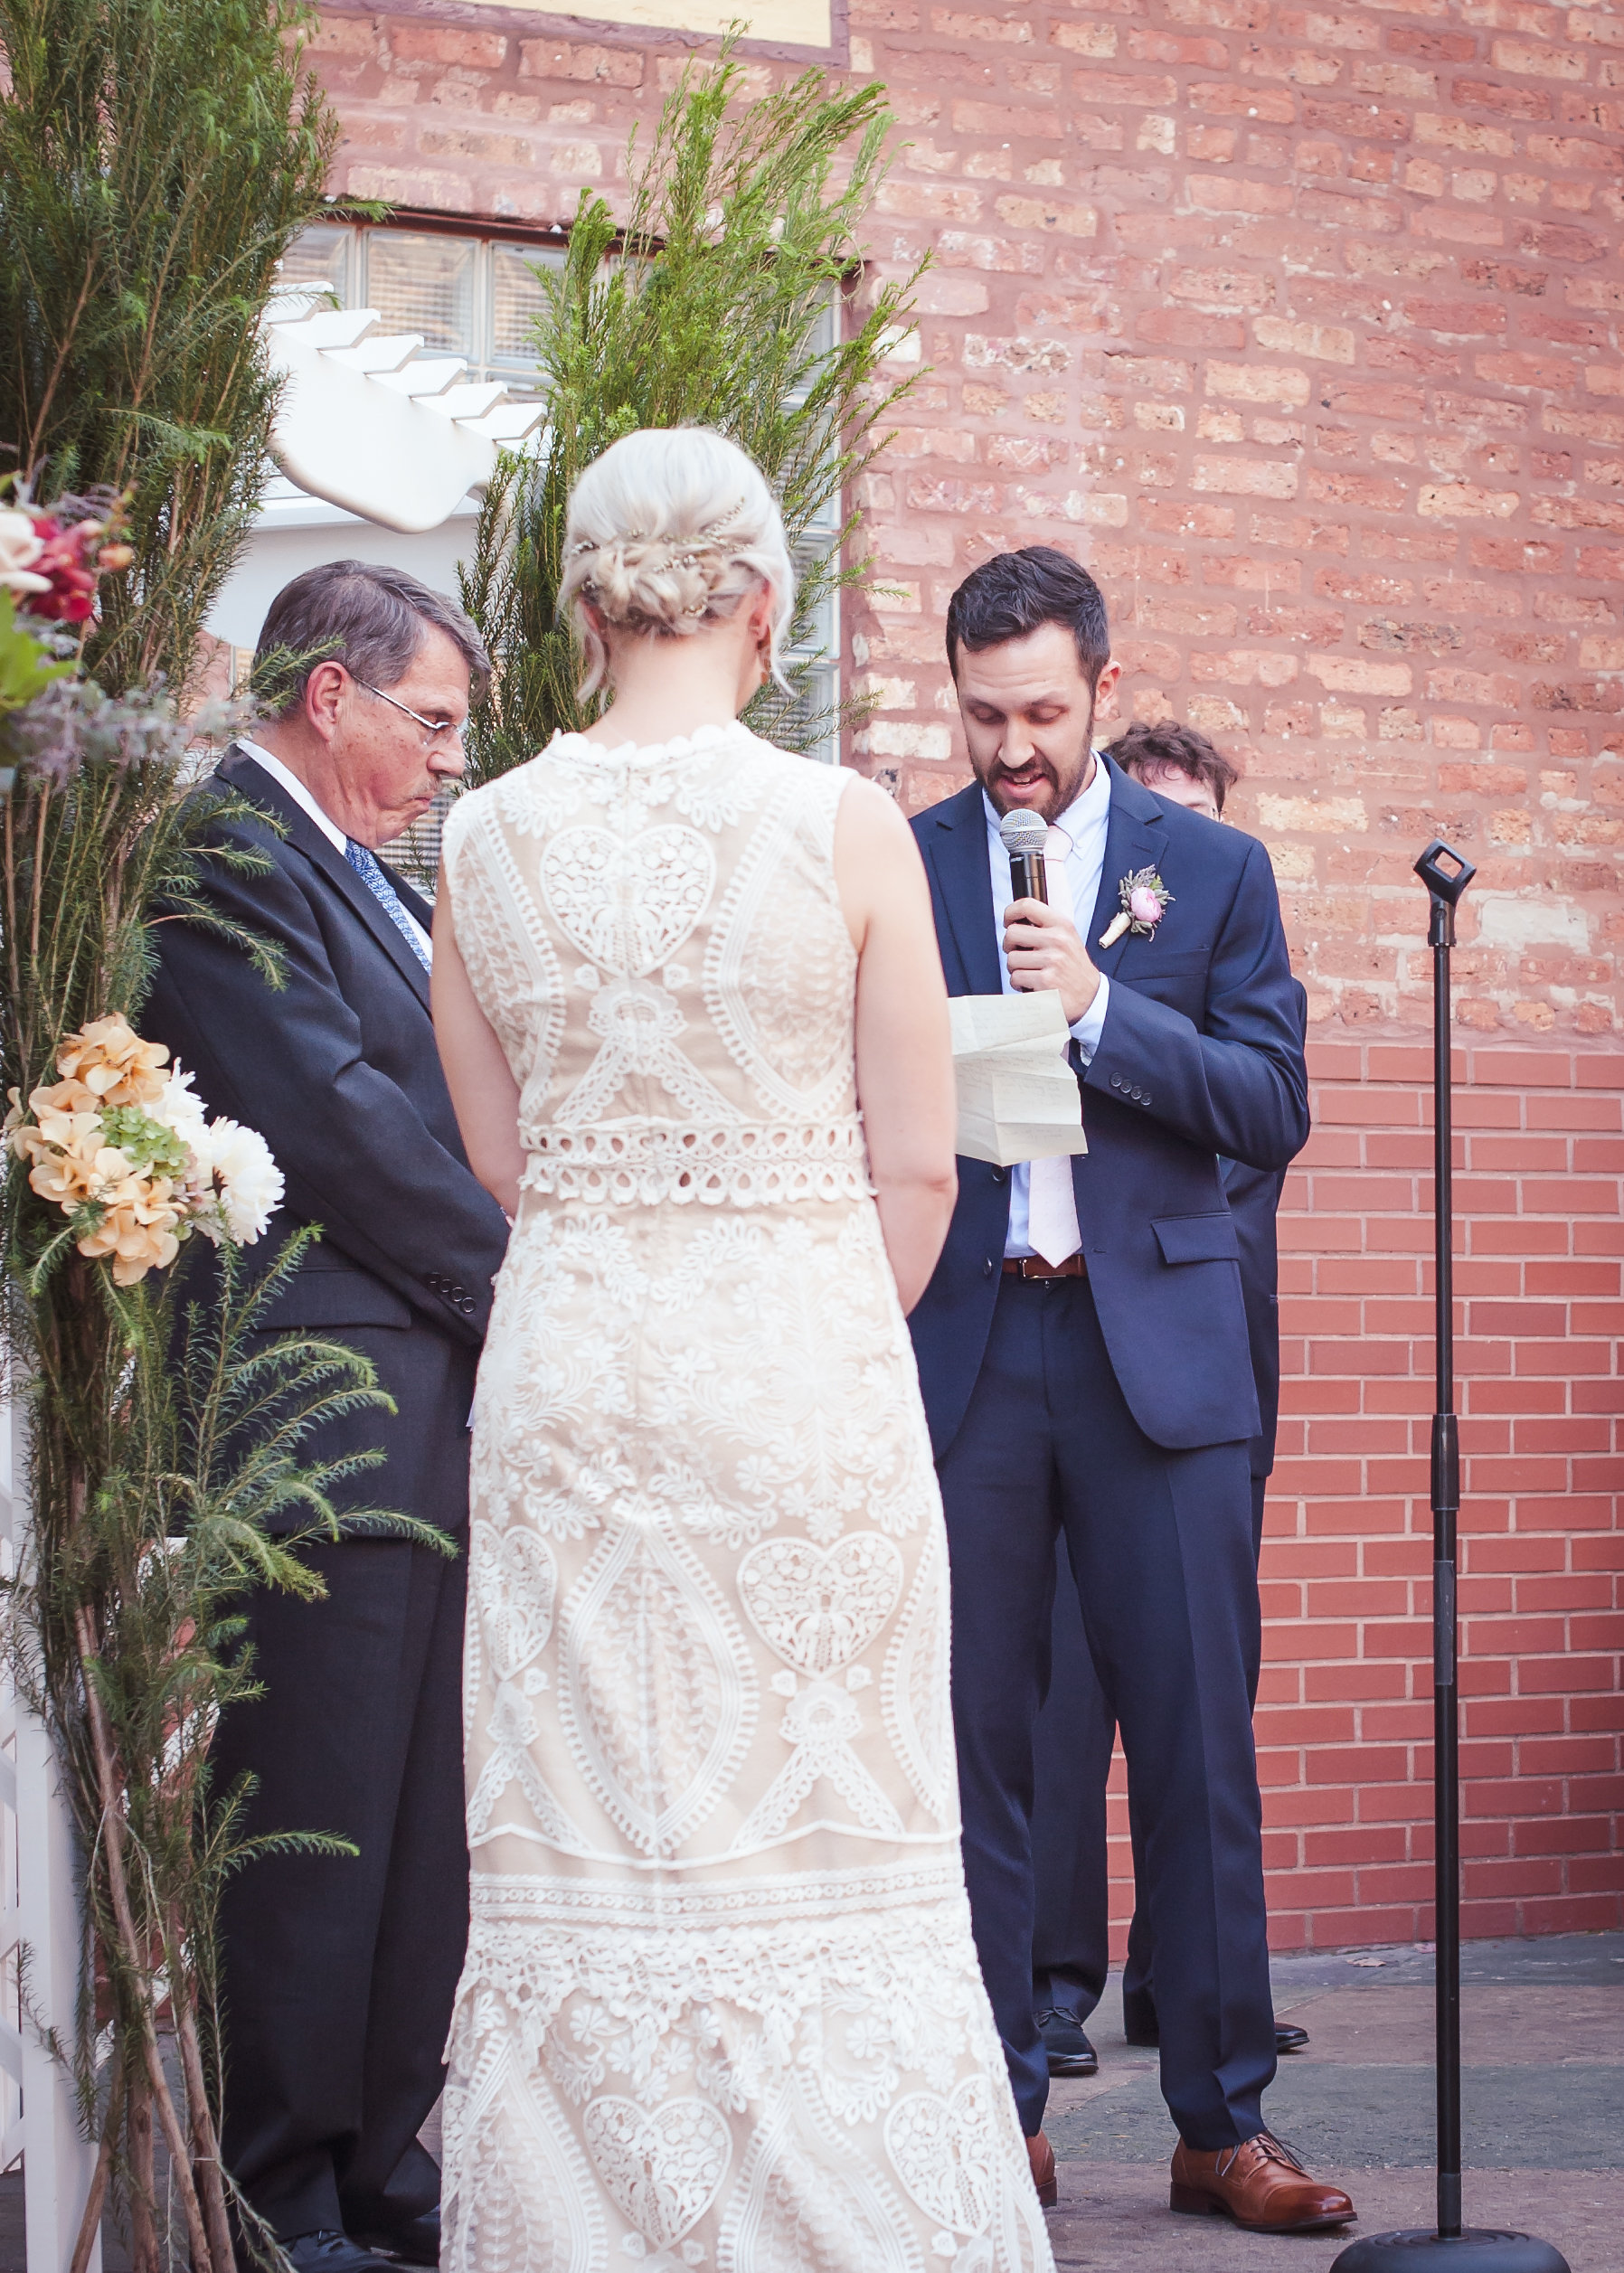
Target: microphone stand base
{"type": "Point", "coordinates": [1421, 2249]}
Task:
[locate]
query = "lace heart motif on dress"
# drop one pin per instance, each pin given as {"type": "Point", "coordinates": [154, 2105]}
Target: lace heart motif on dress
{"type": "Point", "coordinates": [821, 1608]}
{"type": "Point", "coordinates": [629, 904]}
{"type": "Point", "coordinates": [515, 1584]}
{"type": "Point", "coordinates": [664, 2167]}
{"type": "Point", "coordinates": [940, 2150]}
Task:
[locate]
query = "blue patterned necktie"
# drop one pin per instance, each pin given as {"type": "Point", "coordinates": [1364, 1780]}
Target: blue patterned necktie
{"type": "Point", "coordinates": [365, 865]}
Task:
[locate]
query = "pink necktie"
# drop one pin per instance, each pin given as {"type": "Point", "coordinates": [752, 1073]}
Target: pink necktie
{"type": "Point", "coordinates": [1052, 1224]}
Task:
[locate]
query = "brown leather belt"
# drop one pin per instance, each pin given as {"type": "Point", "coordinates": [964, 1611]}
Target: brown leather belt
{"type": "Point", "coordinates": [1034, 1267]}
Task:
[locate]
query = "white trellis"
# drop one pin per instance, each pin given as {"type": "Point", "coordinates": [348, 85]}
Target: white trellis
{"type": "Point", "coordinates": [40, 1937]}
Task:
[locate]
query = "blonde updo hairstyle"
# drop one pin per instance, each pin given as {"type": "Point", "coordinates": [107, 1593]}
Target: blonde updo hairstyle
{"type": "Point", "coordinates": [667, 533]}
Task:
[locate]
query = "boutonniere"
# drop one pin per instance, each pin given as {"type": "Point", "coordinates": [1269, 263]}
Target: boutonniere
{"type": "Point", "coordinates": [1146, 899]}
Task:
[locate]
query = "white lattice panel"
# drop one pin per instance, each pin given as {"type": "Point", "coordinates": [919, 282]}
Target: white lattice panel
{"type": "Point", "coordinates": [39, 1972]}
{"type": "Point", "coordinates": [10, 2016]}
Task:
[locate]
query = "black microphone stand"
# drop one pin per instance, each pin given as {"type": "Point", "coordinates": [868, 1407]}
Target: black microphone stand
{"type": "Point", "coordinates": [1461, 2250]}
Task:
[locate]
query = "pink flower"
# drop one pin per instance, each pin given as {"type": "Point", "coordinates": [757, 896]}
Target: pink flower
{"type": "Point", "coordinates": [70, 593]}
{"type": "Point", "coordinates": [1144, 906]}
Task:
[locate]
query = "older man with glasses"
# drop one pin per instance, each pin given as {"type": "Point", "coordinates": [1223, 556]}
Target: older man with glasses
{"type": "Point", "coordinates": [339, 1972]}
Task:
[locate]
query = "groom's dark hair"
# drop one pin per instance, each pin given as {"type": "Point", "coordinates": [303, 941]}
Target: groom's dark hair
{"type": "Point", "coordinates": [1014, 593]}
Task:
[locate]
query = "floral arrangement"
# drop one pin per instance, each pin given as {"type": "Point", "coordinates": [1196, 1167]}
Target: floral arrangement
{"type": "Point", "coordinates": [1144, 900]}
{"type": "Point", "coordinates": [169, 1435]}
{"type": "Point", "coordinates": [125, 1151]}
{"type": "Point", "coordinates": [52, 560]}
{"type": "Point", "coordinates": [51, 567]}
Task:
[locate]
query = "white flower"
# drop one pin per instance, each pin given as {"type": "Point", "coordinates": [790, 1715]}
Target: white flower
{"type": "Point", "coordinates": [20, 548]}
{"type": "Point", "coordinates": [239, 1161]}
{"type": "Point", "coordinates": [175, 1106]}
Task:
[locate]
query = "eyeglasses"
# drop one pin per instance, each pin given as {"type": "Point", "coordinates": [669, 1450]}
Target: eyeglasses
{"type": "Point", "coordinates": [435, 730]}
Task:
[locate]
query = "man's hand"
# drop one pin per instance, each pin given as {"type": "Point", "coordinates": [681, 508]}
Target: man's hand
{"type": "Point", "coordinates": [1043, 949]}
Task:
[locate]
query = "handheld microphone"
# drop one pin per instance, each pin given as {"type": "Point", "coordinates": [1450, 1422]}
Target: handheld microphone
{"type": "Point", "coordinates": [1024, 835]}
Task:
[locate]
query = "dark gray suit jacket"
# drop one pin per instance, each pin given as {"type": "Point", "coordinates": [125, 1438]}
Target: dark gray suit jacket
{"type": "Point", "coordinates": [338, 1071]}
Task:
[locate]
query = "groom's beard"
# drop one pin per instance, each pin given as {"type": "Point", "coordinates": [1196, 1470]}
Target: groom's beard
{"type": "Point", "coordinates": [1044, 789]}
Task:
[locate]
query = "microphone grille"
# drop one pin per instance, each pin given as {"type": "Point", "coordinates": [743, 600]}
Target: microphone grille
{"type": "Point", "coordinates": [1023, 833]}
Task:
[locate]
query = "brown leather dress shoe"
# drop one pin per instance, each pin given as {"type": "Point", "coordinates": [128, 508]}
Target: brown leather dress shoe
{"type": "Point", "coordinates": [1040, 2156]}
{"type": "Point", "coordinates": [1261, 2184]}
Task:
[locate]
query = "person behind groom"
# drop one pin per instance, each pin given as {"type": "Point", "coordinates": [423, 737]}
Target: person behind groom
{"type": "Point", "coordinates": [339, 1973]}
{"type": "Point", "coordinates": [1082, 1352]}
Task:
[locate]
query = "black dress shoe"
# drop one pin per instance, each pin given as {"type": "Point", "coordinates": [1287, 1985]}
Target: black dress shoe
{"type": "Point", "coordinates": [409, 2240]}
{"type": "Point", "coordinates": [1138, 2020]}
{"type": "Point", "coordinates": [1139, 2026]}
{"type": "Point", "coordinates": [328, 2251]}
{"type": "Point", "coordinates": [1069, 2050]}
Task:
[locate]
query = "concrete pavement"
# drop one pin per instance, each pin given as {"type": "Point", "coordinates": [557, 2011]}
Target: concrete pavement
{"type": "Point", "coordinates": [1542, 2096]}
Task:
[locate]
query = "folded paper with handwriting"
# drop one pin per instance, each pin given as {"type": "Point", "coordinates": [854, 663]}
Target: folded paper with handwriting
{"type": "Point", "coordinates": [1018, 1098]}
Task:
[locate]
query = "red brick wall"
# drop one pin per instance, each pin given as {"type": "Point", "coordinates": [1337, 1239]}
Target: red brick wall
{"type": "Point", "coordinates": [1300, 325]}
{"type": "Point", "coordinates": [1344, 1713]}
{"type": "Point", "coordinates": [1344, 1719]}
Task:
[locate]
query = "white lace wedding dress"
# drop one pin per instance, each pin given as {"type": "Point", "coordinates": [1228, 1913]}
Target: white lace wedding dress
{"type": "Point", "coordinates": [720, 2007]}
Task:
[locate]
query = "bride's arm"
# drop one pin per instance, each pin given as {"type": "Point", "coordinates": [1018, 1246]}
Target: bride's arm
{"type": "Point", "coordinates": [904, 1058]}
{"type": "Point", "coordinates": [484, 1093]}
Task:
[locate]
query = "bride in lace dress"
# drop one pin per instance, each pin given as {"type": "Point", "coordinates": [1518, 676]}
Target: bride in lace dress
{"type": "Point", "coordinates": [721, 2006]}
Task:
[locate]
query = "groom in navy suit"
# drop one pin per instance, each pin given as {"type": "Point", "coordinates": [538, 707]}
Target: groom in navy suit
{"type": "Point", "coordinates": [1082, 1351]}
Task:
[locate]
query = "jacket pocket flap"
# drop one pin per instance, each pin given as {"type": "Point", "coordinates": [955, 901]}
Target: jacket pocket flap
{"type": "Point", "coordinates": [1198, 1239]}
{"type": "Point", "coordinates": [1149, 963]}
{"type": "Point", "coordinates": [328, 1297]}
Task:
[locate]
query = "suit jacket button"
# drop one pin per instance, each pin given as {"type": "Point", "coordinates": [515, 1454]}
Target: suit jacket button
{"type": "Point", "coordinates": [987, 1268]}
{"type": "Point", "coordinates": [999, 1174]}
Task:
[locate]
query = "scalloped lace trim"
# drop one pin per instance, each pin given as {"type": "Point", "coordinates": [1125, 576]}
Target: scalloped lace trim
{"type": "Point", "coordinates": [761, 1163]}
{"type": "Point", "coordinates": [702, 739]}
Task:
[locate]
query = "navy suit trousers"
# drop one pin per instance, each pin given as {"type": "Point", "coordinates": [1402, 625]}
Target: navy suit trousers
{"type": "Point", "coordinates": [1161, 1543]}
{"type": "Point", "coordinates": [1071, 1757]}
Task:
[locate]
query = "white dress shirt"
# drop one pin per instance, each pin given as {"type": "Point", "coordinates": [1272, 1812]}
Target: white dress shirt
{"type": "Point", "coordinates": [1084, 821]}
{"type": "Point", "coordinates": [286, 779]}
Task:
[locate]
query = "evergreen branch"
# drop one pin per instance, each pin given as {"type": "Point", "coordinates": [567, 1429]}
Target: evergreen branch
{"type": "Point", "coordinates": [739, 270]}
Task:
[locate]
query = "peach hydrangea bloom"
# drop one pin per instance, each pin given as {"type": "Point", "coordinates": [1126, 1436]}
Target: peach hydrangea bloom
{"type": "Point", "coordinates": [68, 1176]}
{"type": "Point", "coordinates": [113, 1062]}
{"type": "Point", "coordinates": [137, 1230]}
{"type": "Point", "coordinates": [183, 1172]}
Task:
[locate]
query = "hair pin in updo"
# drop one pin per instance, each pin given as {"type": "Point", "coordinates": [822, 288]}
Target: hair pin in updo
{"type": "Point", "coordinates": [702, 540]}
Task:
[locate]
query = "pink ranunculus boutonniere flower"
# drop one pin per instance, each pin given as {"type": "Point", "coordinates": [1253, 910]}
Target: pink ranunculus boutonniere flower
{"type": "Point", "coordinates": [1146, 899]}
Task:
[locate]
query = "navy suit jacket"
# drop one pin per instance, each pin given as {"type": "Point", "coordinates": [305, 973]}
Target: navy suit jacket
{"type": "Point", "coordinates": [338, 1071]}
{"type": "Point", "coordinates": [1201, 1055]}
{"type": "Point", "coordinates": [1254, 1201]}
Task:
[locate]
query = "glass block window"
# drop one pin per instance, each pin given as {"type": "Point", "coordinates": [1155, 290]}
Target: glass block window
{"type": "Point", "coordinates": [423, 284]}
{"type": "Point", "coordinates": [515, 303]}
{"type": "Point", "coordinates": [320, 256]}
{"type": "Point", "coordinates": [473, 296]}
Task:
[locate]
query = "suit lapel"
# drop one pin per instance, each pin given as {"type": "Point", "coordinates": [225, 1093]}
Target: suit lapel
{"type": "Point", "coordinates": [251, 780]}
{"type": "Point", "coordinates": [1135, 837]}
{"type": "Point", "coordinates": [956, 849]}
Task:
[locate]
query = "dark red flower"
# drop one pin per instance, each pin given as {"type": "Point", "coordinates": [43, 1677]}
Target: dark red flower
{"type": "Point", "coordinates": [67, 561]}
